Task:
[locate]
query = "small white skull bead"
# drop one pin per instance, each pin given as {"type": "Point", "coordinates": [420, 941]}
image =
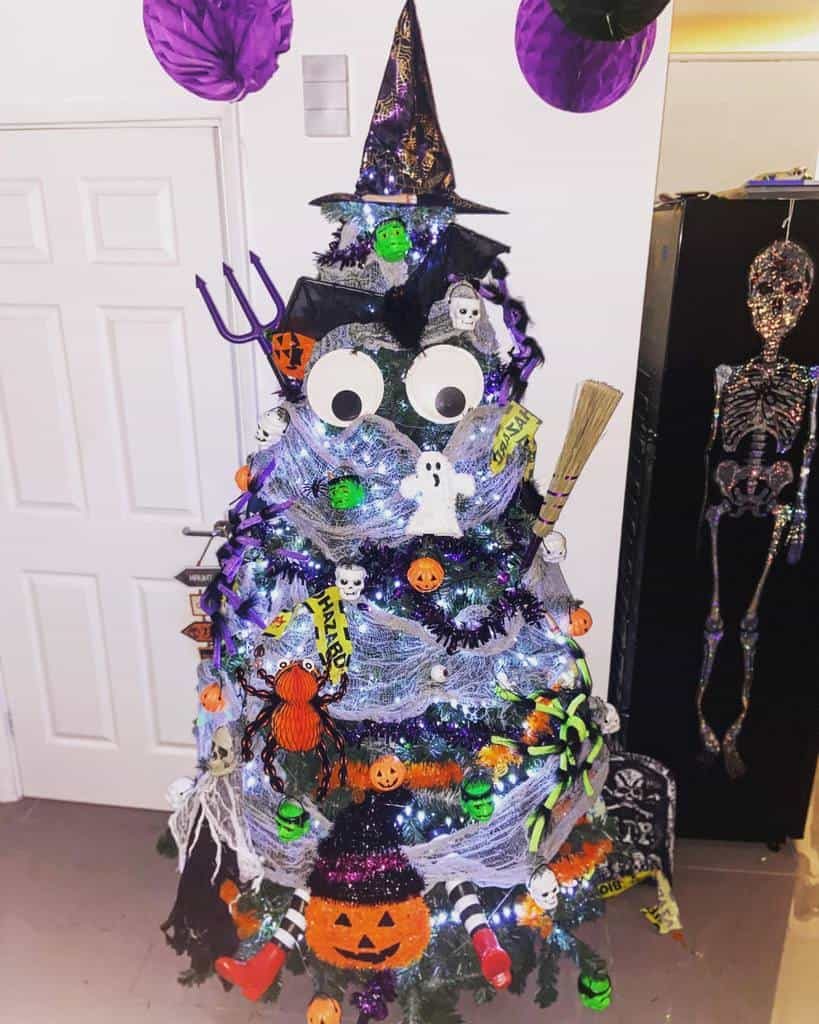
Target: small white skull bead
{"type": "Point", "coordinates": [177, 791]}
{"type": "Point", "coordinates": [222, 760]}
{"type": "Point", "coordinates": [438, 674]}
{"type": "Point", "coordinates": [464, 306]}
{"type": "Point", "coordinates": [543, 887]}
{"type": "Point", "coordinates": [272, 426]}
{"type": "Point", "coordinates": [611, 720]}
{"type": "Point", "coordinates": [554, 547]}
{"type": "Point", "coordinates": [350, 581]}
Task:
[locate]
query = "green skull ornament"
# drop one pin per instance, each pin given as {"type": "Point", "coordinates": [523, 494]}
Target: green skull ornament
{"type": "Point", "coordinates": [478, 796]}
{"type": "Point", "coordinates": [392, 243]}
{"type": "Point", "coordinates": [595, 991]}
{"type": "Point", "coordinates": [292, 821]}
{"type": "Point", "coordinates": [346, 492]}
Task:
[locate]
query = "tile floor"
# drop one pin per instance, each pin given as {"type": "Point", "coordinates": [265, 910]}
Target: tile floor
{"type": "Point", "coordinates": [83, 894]}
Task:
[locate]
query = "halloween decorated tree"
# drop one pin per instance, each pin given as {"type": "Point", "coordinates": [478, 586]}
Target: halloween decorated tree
{"type": "Point", "coordinates": [401, 758]}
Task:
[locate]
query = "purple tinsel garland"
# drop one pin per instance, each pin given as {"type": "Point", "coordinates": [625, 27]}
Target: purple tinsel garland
{"type": "Point", "coordinates": [466, 736]}
{"type": "Point", "coordinates": [373, 1002]}
{"type": "Point", "coordinates": [359, 867]}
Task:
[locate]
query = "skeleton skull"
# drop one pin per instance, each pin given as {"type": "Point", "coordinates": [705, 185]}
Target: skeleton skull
{"type": "Point", "coordinates": [222, 758]}
{"type": "Point", "coordinates": [554, 547]}
{"type": "Point", "coordinates": [464, 307]}
{"type": "Point", "coordinates": [543, 887]}
{"type": "Point", "coordinates": [628, 786]}
{"type": "Point", "coordinates": [779, 285]}
{"type": "Point", "coordinates": [611, 720]}
{"type": "Point", "coordinates": [272, 426]}
{"type": "Point", "coordinates": [350, 581]}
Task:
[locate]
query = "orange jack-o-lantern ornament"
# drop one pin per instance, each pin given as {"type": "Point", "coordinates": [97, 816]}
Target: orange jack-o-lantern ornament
{"type": "Point", "coordinates": [366, 909]}
{"type": "Point", "coordinates": [323, 1010]}
{"type": "Point", "coordinates": [425, 575]}
{"type": "Point", "coordinates": [580, 622]}
{"type": "Point", "coordinates": [291, 353]}
{"type": "Point", "coordinates": [211, 698]}
{"type": "Point", "coordinates": [242, 478]}
{"type": "Point", "coordinates": [387, 773]}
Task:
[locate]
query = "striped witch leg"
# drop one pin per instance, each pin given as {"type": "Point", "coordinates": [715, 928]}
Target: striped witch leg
{"type": "Point", "coordinates": [494, 960]}
{"type": "Point", "coordinates": [255, 976]}
{"type": "Point", "coordinates": [293, 925]}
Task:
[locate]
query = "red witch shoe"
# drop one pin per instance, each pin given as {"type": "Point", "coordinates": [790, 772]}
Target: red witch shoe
{"type": "Point", "coordinates": [496, 966]}
{"type": "Point", "coordinates": [254, 976]}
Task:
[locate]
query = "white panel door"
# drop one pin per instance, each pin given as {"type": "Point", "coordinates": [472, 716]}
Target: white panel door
{"type": "Point", "coordinates": [117, 427]}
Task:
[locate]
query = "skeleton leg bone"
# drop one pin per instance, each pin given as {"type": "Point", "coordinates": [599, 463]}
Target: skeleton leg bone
{"type": "Point", "coordinates": [748, 638]}
{"type": "Point", "coordinates": [713, 633]}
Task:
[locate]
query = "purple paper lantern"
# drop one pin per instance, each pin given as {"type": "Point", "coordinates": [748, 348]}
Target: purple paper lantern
{"type": "Point", "coordinates": [573, 73]}
{"type": "Point", "coordinates": [219, 49]}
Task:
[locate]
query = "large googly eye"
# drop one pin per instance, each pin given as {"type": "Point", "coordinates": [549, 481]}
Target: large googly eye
{"type": "Point", "coordinates": [343, 386]}
{"type": "Point", "coordinates": [444, 383]}
{"type": "Point", "coordinates": [307, 664]}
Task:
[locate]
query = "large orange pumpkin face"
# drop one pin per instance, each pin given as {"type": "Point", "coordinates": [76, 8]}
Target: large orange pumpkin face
{"type": "Point", "coordinates": [364, 937]}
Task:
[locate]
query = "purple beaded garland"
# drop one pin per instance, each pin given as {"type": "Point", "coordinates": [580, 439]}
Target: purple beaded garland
{"type": "Point", "coordinates": [570, 72]}
{"type": "Point", "coordinates": [219, 49]}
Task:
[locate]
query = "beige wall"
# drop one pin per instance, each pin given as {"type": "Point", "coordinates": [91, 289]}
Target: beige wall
{"type": "Point", "coordinates": [728, 118]}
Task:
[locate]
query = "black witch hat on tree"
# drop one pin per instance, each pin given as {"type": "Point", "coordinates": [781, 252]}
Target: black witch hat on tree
{"type": "Point", "coordinates": [405, 159]}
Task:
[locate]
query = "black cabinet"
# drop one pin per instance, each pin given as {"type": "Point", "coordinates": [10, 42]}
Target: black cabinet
{"type": "Point", "coordinates": [695, 318]}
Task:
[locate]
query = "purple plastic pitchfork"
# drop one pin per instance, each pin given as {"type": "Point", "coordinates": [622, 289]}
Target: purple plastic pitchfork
{"type": "Point", "coordinates": [258, 331]}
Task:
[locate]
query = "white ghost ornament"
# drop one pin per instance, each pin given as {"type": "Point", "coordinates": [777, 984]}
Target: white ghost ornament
{"type": "Point", "coordinates": [464, 306]}
{"type": "Point", "coordinates": [222, 760]}
{"type": "Point", "coordinates": [435, 487]}
{"type": "Point", "coordinates": [543, 888]}
{"type": "Point", "coordinates": [271, 427]}
{"type": "Point", "coordinates": [350, 581]}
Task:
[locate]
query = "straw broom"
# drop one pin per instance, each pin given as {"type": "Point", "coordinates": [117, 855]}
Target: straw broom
{"type": "Point", "coordinates": [595, 407]}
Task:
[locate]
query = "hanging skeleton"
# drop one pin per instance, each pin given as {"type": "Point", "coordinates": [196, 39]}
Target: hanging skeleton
{"type": "Point", "coordinates": [760, 409]}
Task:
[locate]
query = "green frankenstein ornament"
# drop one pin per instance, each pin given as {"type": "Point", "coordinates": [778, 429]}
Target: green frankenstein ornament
{"type": "Point", "coordinates": [477, 796]}
{"type": "Point", "coordinates": [292, 821]}
{"type": "Point", "coordinates": [595, 991]}
{"type": "Point", "coordinates": [346, 492]}
{"type": "Point", "coordinates": [392, 243]}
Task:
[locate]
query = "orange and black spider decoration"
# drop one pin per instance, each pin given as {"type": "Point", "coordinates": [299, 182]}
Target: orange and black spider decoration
{"type": "Point", "coordinates": [294, 718]}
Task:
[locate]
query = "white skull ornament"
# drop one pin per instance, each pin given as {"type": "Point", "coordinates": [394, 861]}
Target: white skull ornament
{"type": "Point", "coordinates": [543, 887]}
{"type": "Point", "coordinates": [350, 581]}
{"type": "Point", "coordinates": [222, 760]}
{"type": "Point", "coordinates": [554, 547]}
{"type": "Point", "coordinates": [611, 720]}
{"type": "Point", "coordinates": [464, 307]}
{"type": "Point", "coordinates": [272, 426]}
